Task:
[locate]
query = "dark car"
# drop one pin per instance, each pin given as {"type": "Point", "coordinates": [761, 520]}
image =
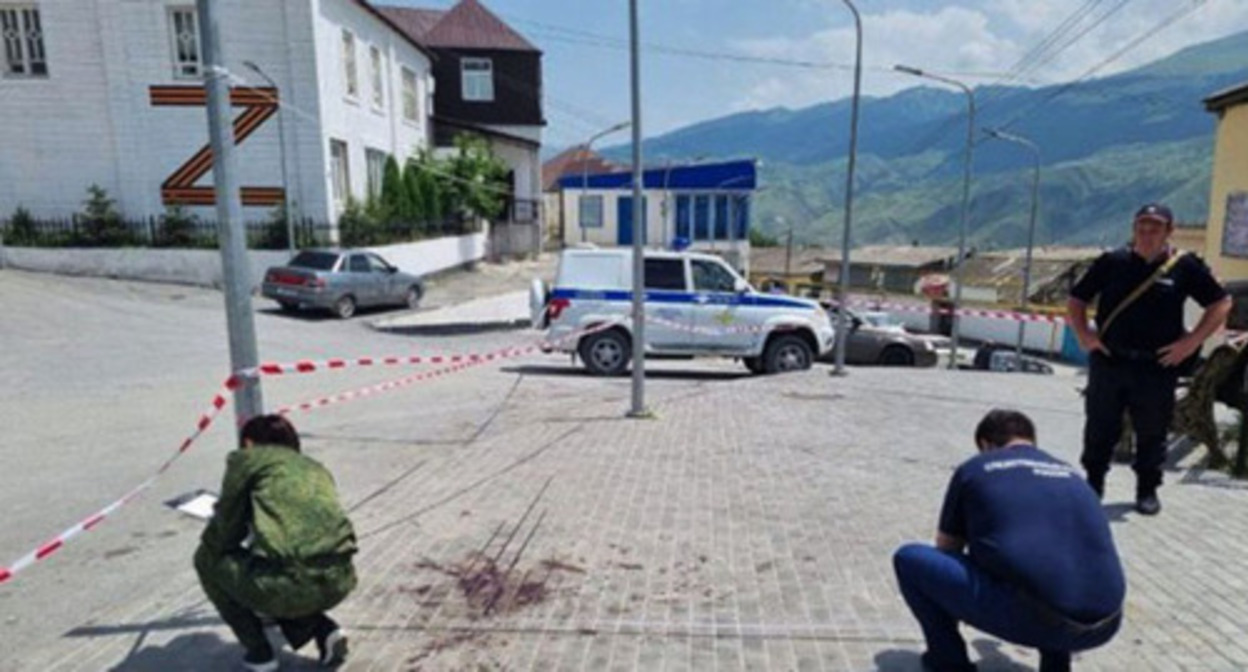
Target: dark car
{"type": "Point", "coordinates": [340, 281]}
{"type": "Point", "coordinates": [875, 339]}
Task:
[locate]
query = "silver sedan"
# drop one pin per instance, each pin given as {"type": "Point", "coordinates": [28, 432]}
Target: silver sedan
{"type": "Point", "coordinates": [340, 281]}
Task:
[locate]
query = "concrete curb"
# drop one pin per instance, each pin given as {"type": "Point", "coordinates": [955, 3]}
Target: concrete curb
{"type": "Point", "coordinates": [453, 328]}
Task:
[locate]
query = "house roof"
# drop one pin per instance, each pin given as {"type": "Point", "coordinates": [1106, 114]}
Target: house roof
{"type": "Point", "coordinates": [895, 255]}
{"type": "Point", "coordinates": [467, 25]}
{"type": "Point", "coordinates": [390, 22]}
{"type": "Point", "coordinates": [771, 260]}
{"type": "Point", "coordinates": [1236, 95]}
{"type": "Point", "coordinates": [1051, 271]}
{"type": "Point", "coordinates": [573, 161]}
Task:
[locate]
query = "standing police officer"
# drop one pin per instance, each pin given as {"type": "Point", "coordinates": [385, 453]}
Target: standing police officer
{"type": "Point", "coordinates": [1139, 345]}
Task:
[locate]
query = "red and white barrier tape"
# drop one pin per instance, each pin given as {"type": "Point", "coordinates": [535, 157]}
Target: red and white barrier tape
{"type": "Point", "coordinates": [219, 402]}
{"type": "Point", "coordinates": [964, 312]}
{"type": "Point", "coordinates": [221, 399]}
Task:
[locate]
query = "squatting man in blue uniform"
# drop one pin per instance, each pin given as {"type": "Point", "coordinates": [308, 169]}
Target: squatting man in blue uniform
{"type": "Point", "coordinates": [1140, 345]}
{"type": "Point", "coordinates": [1023, 552]}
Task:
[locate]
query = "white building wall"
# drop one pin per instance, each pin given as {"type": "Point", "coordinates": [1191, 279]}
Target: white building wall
{"type": "Point", "coordinates": [355, 120]}
{"type": "Point", "coordinates": [56, 132]}
{"type": "Point", "coordinates": [92, 119]}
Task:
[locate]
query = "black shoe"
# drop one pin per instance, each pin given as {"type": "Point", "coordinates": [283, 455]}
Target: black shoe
{"type": "Point", "coordinates": [929, 666]}
{"type": "Point", "coordinates": [332, 647]}
{"type": "Point", "coordinates": [1148, 504]}
{"type": "Point", "coordinates": [260, 660]}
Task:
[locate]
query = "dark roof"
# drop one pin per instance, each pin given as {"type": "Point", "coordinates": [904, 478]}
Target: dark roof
{"type": "Point", "coordinates": [467, 25]}
{"type": "Point", "coordinates": [573, 161]}
{"type": "Point", "coordinates": [415, 22]}
{"type": "Point", "coordinates": [472, 127]}
{"type": "Point", "coordinates": [1236, 95]}
{"type": "Point", "coordinates": [771, 260]}
{"type": "Point", "coordinates": [389, 21]}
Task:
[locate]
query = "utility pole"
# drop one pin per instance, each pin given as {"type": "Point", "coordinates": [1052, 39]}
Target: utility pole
{"type": "Point", "coordinates": [239, 318]}
{"type": "Point", "coordinates": [638, 409]}
{"type": "Point", "coordinates": [842, 324]}
{"type": "Point", "coordinates": [1031, 226]}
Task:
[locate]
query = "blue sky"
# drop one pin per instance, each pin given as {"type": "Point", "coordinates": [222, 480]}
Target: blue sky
{"type": "Point", "coordinates": [586, 61]}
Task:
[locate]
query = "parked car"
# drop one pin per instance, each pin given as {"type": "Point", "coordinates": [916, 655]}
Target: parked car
{"type": "Point", "coordinates": [700, 306]}
{"type": "Point", "coordinates": [340, 281]}
{"type": "Point", "coordinates": [876, 338]}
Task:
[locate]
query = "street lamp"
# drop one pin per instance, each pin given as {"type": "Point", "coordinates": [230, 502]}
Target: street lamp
{"type": "Point", "coordinates": [580, 211]}
{"type": "Point", "coordinates": [842, 327]}
{"type": "Point", "coordinates": [966, 197]}
{"type": "Point", "coordinates": [1031, 226]}
{"type": "Point", "coordinates": [638, 407]}
{"type": "Point", "coordinates": [281, 141]}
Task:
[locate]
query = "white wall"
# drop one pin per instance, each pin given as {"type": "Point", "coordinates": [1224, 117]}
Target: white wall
{"type": "Point", "coordinates": [92, 119]}
{"type": "Point", "coordinates": [608, 233]}
{"type": "Point", "coordinates": [203, 267]}
{"type": "Point", "coordinates": [355, 120]}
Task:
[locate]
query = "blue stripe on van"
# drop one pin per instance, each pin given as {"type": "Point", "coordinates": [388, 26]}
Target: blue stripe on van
{"type": "Point", "coordinates": [662, 296]}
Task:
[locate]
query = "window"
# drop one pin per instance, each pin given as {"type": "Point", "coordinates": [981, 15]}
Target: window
{"type": "Point", "coordinates": [375, 161]}
{"type": "Point", "coordinates": [709, 276]}
{"type": "Point", "coordinates": [379, 95]}
{"type": "Point", "coordinates": [410, 99]}
{"type": "Point", "coordinates": [22, 34]}
{"type": "Point", "coordinates": [721, 217]}
{"type": "Point", "coordinates": [376, 264]}
{"type": "Point", "coordinates": [339, 172]}
{"type": "Point", "coordinates": [742, 217]}
{"type": "Point", "coordinates": [185, 36]}
{"type": "Point", "coordinates": [359, 264]}
{"type": "Point", "coordinates": [478, 79]}
{"type": "Point", "coordinates": [591, 212]}
{"type": "Point", "coordinates": [684, 214]}
{"type": "Point", "coordinates": [668, 274]}
{"type": "Point", "coordinates": [348, 64]}
{"type": "Point", "coordinates": [702, 218]}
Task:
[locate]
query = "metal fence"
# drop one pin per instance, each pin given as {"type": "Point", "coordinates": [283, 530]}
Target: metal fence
{"type": "Point", "coordinates": [197, 233]}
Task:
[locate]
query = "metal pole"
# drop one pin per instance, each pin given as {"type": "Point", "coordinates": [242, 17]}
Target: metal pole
{"type": "Point", "coordinates": [638, 409]}
{"type": "Point", "coordinates": [585, 170]}
{"type": "Point", "coordinates": [1031, 226]}
{"type": "Point", "coordinates": [281, 134]}
{"type": "Point", "coordinates": [966, 200]}
{"type": "Point", "coordinates": [248, 402]}
{"type": "Point", "coordinates": [842, 323]}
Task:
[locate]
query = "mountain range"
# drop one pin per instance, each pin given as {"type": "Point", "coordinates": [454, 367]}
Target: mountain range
{"type": "Point", "coordinates": [1107, 146]}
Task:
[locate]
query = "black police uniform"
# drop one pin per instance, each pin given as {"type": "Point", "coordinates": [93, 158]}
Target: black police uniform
{"type": "Point", "coordinates": [1132, 377]}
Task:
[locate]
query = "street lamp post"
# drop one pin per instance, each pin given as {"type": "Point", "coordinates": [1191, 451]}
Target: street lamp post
{"type": "Point", "coordinates": [580, 212]}
{"type": "Point", "coordinates": [1031, 225]}
{"type": "Point", "coordinates": [966, 198]}
{"type": "Point", "coordinates": [281, 133]}
{"type": "Point", "coordinates": [842, 326]}
{"type": "Point", "coordinates": [638, 408]}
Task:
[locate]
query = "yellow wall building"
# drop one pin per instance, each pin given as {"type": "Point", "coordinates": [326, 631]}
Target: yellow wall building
{"type": "Point", "coordinates": [1227, 233]}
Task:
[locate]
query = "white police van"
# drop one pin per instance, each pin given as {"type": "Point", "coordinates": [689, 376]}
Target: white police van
{"type": "Point", "coordinates": [696, 305]}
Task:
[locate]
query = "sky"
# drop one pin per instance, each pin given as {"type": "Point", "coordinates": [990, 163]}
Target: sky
{"type": "Point", "coordinates": [703, 59]}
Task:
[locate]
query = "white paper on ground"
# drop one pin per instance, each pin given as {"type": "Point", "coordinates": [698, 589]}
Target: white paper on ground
{"type": "Point", "coordinates": [198, 504]}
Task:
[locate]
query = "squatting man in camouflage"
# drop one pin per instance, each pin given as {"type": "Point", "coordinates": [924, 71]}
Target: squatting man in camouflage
{"type": "Point", "coordinates": [279, 545]}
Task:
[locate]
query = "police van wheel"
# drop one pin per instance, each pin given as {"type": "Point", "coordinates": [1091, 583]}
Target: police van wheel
{"type": "Point", "coordinates": [754, 364]}
{"type": "Point", "coordinates": [787, 353]}
{"type": "Point", "coordinates": [606, 353]}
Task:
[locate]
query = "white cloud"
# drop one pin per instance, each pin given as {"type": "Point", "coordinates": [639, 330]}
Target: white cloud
{"type": "Point", "coordinates": [989, 37]}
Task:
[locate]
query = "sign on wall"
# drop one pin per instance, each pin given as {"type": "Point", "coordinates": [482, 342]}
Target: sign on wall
{"type": "Point", "coordinates": [1235, 233]}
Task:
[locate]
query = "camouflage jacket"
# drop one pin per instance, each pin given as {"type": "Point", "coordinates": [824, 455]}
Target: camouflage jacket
{"type": "Point", "coordinates": [285, 501]}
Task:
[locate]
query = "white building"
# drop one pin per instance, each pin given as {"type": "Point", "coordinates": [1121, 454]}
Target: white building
{"type": "Point", "coordinates": [110, 92]}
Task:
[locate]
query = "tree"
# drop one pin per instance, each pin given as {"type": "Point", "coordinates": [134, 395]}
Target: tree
{"type": "Point", "coordinates": [760, 239]}
{"type": "Point", "coordinates": [414, 211]}
{"type": "Point", "coordinates": [22, 229]}
{"type": "Point", "coordinates": [100, 221]}
{"type": "Point", "coordinates": [178, 228]}
{"type": "Point", "coordinates": [393, 191]}
{"type": "Point", "coordinates": [478, 178]}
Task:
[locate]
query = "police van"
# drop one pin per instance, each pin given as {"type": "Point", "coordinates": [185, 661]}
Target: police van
{"type": "Point", "coordinates": [695, 304]}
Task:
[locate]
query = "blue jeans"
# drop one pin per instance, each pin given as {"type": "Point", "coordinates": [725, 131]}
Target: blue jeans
{"type": "Point", "coordinates": [943, 589]}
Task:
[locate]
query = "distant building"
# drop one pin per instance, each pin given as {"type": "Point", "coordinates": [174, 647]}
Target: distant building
{"type": "Point", "coordinates": [799, 270]}
{"type": "Point", "coordinates": [1227, 235]}
{"type": "Point", "coordinates": [997, 277]}
{"type": "Point", "coordinates": [570, 162]}
{"type": "Point", "coordinates": [889, 268]}
{"type": "Point", "coordinates": [707, 204]}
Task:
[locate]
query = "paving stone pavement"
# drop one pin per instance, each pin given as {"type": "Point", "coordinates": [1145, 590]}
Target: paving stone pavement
{"type": "Point", "coordinates": [749, 526]}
